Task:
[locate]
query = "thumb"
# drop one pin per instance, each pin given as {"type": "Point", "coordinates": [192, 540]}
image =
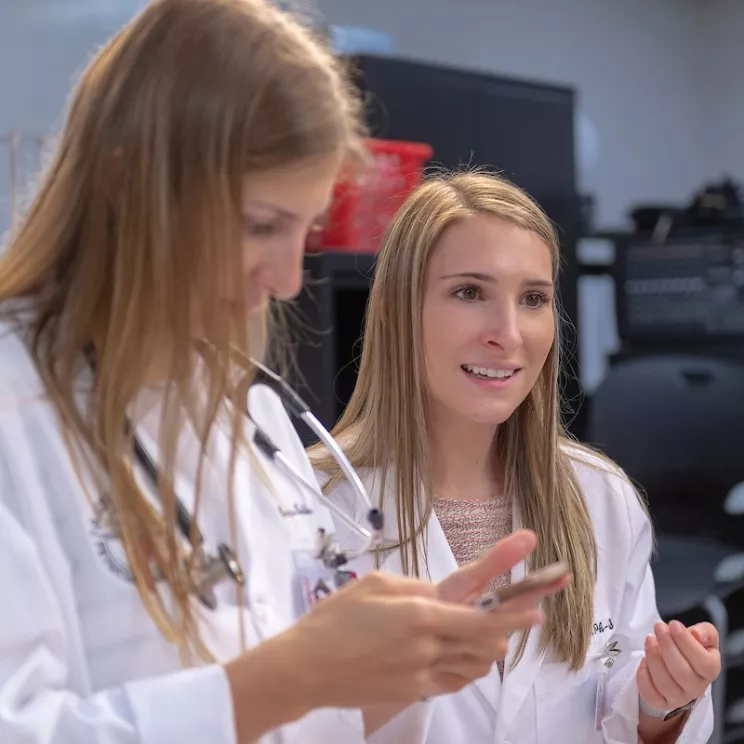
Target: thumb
{"type": "Point", "coordinates": [469, 581]}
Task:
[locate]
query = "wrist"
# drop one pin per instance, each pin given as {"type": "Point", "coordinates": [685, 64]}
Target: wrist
{"type": "Point", "coordinates": [268, 690]}
{"type": "Point", "coordinates": [665, 715]}
{"type": "Point", "coordinates": [661, 727]}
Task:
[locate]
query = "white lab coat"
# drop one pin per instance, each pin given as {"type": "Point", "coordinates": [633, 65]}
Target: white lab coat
{"type": "Point", "coordinates": [80, 659]}
{"type": "Point", "coordinates": [540, 701]}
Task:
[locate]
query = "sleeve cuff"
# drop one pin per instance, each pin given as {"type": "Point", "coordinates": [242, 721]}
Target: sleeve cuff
{"type": "Point", "coordinates": [192, 705]}
{"type": "Point", "coordinates": [622, 723]}
{"type": "Point", "coordinates": [699, 724]}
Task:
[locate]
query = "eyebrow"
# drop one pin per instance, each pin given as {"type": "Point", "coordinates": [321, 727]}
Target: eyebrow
{"type": "Point", "coordinates": [281, 212]}
{"type": "Point", "coordinates": [490, 279]}
{"type": "Point", "coordinates": [284, 213]}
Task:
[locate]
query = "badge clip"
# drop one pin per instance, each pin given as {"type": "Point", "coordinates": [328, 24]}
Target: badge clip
{"type": "Point", "coordinates": [607, 656]}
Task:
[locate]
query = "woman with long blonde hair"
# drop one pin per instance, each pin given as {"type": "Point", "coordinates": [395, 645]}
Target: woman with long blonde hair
{"type": "Point", "coordinates": [153, 559]}
{"type": "Point", "coordinates": [455, 422]}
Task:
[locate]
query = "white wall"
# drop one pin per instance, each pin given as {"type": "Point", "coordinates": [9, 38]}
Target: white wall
{"type": "Point", "coordinates": [44, 47]}
{"type": "Point", "coordinates": [636, 64]}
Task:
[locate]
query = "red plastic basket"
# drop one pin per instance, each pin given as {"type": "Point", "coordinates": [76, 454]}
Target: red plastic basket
{"type": "Point", "coordinates": [363, 208]}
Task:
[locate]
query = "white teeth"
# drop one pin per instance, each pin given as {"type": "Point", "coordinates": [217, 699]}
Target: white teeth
{"type": "Point", "coordinates": [499, 374]}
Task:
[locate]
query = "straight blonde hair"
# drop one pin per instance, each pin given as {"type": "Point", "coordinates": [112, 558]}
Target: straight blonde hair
{"type": "Point", "coordinates": [134, 242]}
{"type": "Point", "coordinates": [385, 423]}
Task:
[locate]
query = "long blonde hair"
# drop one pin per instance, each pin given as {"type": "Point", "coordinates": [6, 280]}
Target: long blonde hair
{"type": "Point", "coordinates": [384, 425]}
{"type": "Point", "coordinates": [133, 242]}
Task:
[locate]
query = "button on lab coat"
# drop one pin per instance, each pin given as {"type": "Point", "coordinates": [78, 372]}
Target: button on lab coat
{"type": "Point", "coordinates": [540, 701]}
{"type": "Point", "coordinates": [80, 659]}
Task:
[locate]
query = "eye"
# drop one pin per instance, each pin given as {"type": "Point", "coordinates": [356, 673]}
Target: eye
{"type": "Point", "coordinates": [261, 228]}
{"type": "Point", "coordinates": [468, 294]}
{"type": "Point", "coordinates": [535, 300]}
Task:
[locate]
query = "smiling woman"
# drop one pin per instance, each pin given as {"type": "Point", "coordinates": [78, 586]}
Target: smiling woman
{"type": "Point", "coordinates": [456, 423]}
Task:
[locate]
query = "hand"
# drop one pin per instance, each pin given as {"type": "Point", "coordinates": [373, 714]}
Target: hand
{"type": "Point", "coordinates": [469, 582]}
{"type": "Point", "coordinates": [679, 664]}
{"type": "Point", "coordinates": [387, 639]}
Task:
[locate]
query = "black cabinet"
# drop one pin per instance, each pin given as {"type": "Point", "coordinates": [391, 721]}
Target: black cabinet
{"type": "Point", "coordinates": [522, 129]}
{"type": "Point", "coordinates": [327, 322]}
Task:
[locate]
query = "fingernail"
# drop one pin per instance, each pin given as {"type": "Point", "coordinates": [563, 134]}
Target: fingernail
{"type": "Point", "coordinates": [677, 628]}
{"type": "Point", "coordinates": [661, 629]}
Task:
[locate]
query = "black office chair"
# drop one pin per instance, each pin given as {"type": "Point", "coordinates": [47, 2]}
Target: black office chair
{"type": "Point", "coordinates": [675, 424]}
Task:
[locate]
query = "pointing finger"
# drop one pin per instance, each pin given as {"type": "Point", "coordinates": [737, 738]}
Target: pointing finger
{"type": "Point", "coordinates": [465, 584]}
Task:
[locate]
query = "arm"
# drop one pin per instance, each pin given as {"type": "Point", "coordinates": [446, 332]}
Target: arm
{"type": "Point", "coordinates": [37, 702]}
{"type": "Point", "coordinates": [678, 668]}
{"type": "Point", "coordinates": [45, 697]}
{"type": "Point", "coordinates": [654, 731]}
{"type": "Point", "coordinates": [639, 614]}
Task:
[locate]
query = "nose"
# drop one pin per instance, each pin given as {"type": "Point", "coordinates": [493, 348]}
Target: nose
{"type": "Point", "coordinates": [281, 274]}
{"type": "Point", "coordinates": [503, 329]}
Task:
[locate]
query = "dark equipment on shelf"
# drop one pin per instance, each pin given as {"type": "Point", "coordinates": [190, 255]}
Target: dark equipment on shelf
{"type": "Point", "coordinates": [687, 290]}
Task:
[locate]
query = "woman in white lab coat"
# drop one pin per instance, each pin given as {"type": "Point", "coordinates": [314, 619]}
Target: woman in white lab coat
{"type": "Point", "coordinates": [455, 423]}
{"type": "Point", "coordinates": [201, 146]}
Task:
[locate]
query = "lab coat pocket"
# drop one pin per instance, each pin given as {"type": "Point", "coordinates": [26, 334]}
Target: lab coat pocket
{"type": "Point", "coordinates": [566, 703]}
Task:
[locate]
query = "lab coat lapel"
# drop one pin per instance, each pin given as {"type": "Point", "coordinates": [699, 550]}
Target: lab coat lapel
{"type": "Point", "coordinates": [518, 681]}
{"type": "Point", "coordinates": [432, 544]}
{"type": "Point", "coordinates": [442, 563]}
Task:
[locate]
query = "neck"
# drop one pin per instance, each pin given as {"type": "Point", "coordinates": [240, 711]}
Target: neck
{"type": "Point", "coordinates": [463, 465]}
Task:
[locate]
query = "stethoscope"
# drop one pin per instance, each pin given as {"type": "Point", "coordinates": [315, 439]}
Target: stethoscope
{"type": "Point", "coordinates": [209, 569]}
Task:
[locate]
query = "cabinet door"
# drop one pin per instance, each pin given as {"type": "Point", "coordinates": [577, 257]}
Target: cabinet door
{"type": "Point", "coordinates": [405, 101]}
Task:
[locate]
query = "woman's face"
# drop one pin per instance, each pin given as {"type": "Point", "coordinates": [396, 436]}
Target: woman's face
{"type": "Point", "coordinates": [279, 208]}
{"type": "Point", "coordinates": [488, 318]}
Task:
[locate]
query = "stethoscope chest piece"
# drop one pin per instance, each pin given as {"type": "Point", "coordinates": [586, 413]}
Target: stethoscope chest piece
{"type": "Point", "coordinates": [210, 570]}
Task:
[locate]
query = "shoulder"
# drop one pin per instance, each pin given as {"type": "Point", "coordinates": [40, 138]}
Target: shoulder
{"type": "Point", "coordinates": [612, 499]}
{"type": "Point", "coordinates": [31, 443]}
{"type": "Point", "coordinates": [18, 374]}
{"type": "Point", "coordinates": [342, 492]}
{"type": "Point", "coordinates": [267, 411]}
{"type": "Point", "coordinates": [25, 408]}
{"type": "Point", "coordinates": [320, 456]}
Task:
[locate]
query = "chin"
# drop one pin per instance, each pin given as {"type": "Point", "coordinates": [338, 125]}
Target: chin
{"type": "Point", "coordinates": [489, 415]}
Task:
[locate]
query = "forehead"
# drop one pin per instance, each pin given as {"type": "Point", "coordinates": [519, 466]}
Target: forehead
{"type": "Point", "coordinates": [491, 245]}
{"type": "Point", "coordinates": [303, 189]}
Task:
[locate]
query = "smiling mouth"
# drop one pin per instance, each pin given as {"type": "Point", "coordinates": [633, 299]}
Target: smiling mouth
{"type": "Point", "coordinates": [488, 373]}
